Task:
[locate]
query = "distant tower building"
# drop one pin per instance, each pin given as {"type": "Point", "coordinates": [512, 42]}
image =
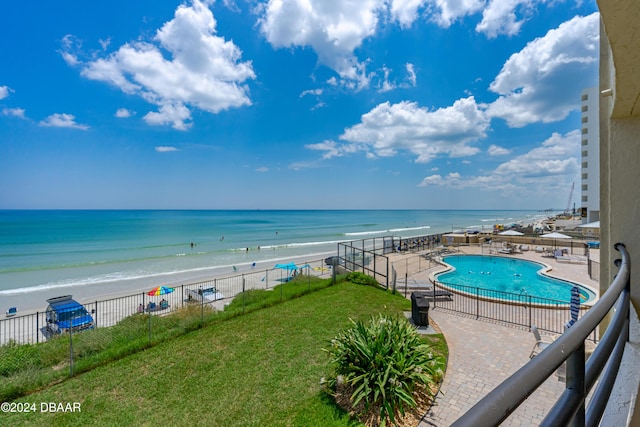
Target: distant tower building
{"type": "Point", "coordinates": [590, 155]}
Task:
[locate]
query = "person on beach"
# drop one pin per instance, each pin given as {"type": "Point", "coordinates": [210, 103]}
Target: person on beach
{"type": "Point", "coordinates": [141, 308]}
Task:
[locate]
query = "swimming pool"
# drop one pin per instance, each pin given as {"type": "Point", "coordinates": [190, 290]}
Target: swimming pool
{"type": "Point", "coordinates": [510, 275]}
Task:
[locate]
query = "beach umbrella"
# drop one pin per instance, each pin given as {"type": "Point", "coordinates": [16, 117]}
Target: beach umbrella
{"type": "Point", "coordinates": [511, 233]}
{"type": "Point", "coordinates": [555, 236]}
{"type": "Point", "coordinates": [574, 306]}
{"type": "Point", "coordinates": [159, 290]}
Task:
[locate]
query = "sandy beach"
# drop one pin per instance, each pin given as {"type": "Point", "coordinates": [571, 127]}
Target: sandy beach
{"type": "Point", "coordinates": [34, 301]}
{"type": "Point", "coordinates": [110, 304]}
{"type": "Point", "coordinates": [114, 302]}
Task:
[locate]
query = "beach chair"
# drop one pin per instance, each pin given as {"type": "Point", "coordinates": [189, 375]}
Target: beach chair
{"type": "Point", "coordinates": [435, 295]}
{"type": "Point", "coordinates": [12, 311]}
{"type": "Point", "coordinates": [540, 344]}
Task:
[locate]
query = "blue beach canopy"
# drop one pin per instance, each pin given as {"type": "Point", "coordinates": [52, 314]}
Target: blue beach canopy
{"type": "Point", "coordinates": [288, 267]}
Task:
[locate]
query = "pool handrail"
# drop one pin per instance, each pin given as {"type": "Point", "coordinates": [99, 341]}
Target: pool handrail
{"type": "Point", "coordinates": [569, 409]}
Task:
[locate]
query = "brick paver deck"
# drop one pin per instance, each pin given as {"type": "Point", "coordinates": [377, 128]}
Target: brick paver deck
{"type": "Point", "coordinates": [482, 354]}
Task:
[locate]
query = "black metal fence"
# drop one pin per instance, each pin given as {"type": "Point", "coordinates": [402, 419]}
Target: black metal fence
{"type": "Point", "coordinates": [599, 372]}
{"type": "Point", "coordinates": [213, 294]}
{"type": "Point", "coordinates": [505, 307]}
{"type": "Point", "coordinates": [373, 257]}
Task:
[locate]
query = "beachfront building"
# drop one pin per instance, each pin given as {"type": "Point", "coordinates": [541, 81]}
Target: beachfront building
{"type": "Point", "coordinates": [590, 156]}
{"type": "Point", "coordinates": [619, 178]}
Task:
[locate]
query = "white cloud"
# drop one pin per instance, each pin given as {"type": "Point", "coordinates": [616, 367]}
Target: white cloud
{"type": "Point", "coordinates": [552, 165]}
{"type": "Point", "coordinates": [333, 149]}
{"type": "Point", "coordinates": [14, 112]}
{"type": "Point", "coordinates": [446, 12]}
{"type": "Point", "coordinates": [411, 74]}
{"type": "Point", "coordinates": [405, 11]}
{"type": "Point", "coordinates": [61, 120]}
{"type": "Point", "coordinates": [166, 149]}
{"type": "Point", "coordinates": [4, 91]}
{"type": "Point", "coordinates": [332, 28]}
{"type": "Point", "coordinates": [543, 82]}
{"type": "Point", "coordinates": [500, 17]}
{"type": "Point", "coordinates": [390, 128]}
{"type": "Point", "coordinates": [70, 45]}
{"type": "Point", "coordinates": [105, 43]}
{"type": "Point", "coordinates": [204, 70]}
{"type": "Point", "coordinates": [316, 92]}
{"type": "Point", "coordinates": [297, 166]}
{"type": "Point", "coordinates": [262, 169]}
{"type": "Point", "coordinates": [123, 113]}
{"type": "Point", "coordinates": [495, 150]}
{"type": "Point", "coordinates": [386, 85]}
{"type": "Point", "coordinates": [176, 115]}
{"type": "Point", "coordinates": [556, 156]}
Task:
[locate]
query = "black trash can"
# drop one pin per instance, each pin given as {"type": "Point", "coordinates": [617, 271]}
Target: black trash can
{"type": "Point", "coordinates": [419, 309]}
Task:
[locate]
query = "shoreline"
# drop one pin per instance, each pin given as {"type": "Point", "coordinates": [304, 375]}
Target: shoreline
{"type": "Point", "coordinates": [36, 301]}
{"type": "Point", "coordinates": [102, 287]}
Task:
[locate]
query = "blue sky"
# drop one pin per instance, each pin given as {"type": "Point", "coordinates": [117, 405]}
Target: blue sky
{"type": "Point", "coordinates": [294, 104]}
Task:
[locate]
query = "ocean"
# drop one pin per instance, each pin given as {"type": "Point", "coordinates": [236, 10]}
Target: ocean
{"type": "Point", "coordinates": [46, 253]}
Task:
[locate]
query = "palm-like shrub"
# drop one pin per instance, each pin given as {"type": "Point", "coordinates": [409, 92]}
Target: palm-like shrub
{"type": "Point", "coordinates": [383, 364]}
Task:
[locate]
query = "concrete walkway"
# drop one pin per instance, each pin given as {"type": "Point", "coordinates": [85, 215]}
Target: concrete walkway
{"type": "Point", "coordinates": [481, 356]}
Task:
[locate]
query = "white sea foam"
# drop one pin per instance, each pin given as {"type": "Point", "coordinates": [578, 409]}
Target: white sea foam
{"type": "Point", "coordinates": [399, 230]}
{"type": "Point", "coordinates": [365, 233]}
{"type": "Point", "coordinates": [390, 230]}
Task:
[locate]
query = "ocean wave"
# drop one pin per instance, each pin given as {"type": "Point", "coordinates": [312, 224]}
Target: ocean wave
{"type": "Point", "coordinates": [93, 263]}
{"type": "Point", "coordinates": [289, 245]}
{"type": "Point", "coordinates": [365, 233]}
{"type": "Point", "coordinates": [398, 230]}
{"type": "Point", "coordinates": [390, 230]}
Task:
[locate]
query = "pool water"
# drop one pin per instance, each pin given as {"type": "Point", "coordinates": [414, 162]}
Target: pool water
{"type": "Point", "coordinates": [515, 276]}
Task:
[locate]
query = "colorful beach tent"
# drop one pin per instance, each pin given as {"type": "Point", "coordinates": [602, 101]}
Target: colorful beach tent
{"type": "Point", "coordinates": [289, 266]}
{"type": "Point", "coordinates": [159, 290]}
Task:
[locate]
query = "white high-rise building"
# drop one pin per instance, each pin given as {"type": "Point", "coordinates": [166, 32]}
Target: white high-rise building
{"type": "Point", "coordinates": [590, 156]}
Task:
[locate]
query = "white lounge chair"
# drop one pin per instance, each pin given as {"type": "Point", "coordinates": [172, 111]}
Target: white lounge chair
{"type": "Point", "coordinates": [540, 344]}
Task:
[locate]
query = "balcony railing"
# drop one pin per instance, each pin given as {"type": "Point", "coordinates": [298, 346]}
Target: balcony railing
{"type": "Point", "coordinates": [570, 409]}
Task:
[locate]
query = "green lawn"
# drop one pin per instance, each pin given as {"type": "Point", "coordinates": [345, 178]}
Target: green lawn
{"type": "Point", "coordinates": [261, 369]}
